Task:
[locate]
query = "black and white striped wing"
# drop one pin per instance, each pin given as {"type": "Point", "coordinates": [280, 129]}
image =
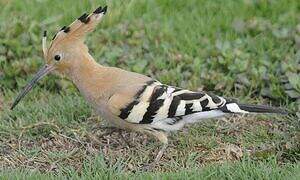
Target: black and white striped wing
{"type": "Point", "coordinates": [155, 102]}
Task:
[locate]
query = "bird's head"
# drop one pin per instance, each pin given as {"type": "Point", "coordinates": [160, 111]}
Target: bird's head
{"type": "Point", "coordinates": [67, 49]}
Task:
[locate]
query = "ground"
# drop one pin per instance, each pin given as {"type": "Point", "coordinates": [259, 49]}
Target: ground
{"type": "Point", "coordinates": [249, 50]}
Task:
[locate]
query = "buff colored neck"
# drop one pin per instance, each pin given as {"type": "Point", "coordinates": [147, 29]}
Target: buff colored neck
{"type": "Point", "coordinates": [91, 78]}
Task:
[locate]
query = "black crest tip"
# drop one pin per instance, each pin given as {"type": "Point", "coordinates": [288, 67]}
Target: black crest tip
{"type": "Point", "coordinates": [84, 18]}
{"type": "Point", "coordinates": [54, 36]}
{"type": "Point", "coordinates": [104, 10]}
{"type": "Point", "coordinates": [98, 10]}
{"type": "Point", "coordinates": [63, 28]}
{"type": "Point", "coordinates": [45, 34]}
{"type": "Point", "coordinates": [67, 29]}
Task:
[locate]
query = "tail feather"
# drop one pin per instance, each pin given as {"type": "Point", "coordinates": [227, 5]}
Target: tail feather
{"type": "Point", "coordinates": [262, 109]}
{"type": "Point", "coordinates": [248, 108]}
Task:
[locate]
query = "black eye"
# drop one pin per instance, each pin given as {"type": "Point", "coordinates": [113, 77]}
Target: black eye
{"type": "Point", "coordinates": [57, 57]}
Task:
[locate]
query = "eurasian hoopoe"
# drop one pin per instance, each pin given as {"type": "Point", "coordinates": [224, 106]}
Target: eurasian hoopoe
{"type": "Point", "coordinates": [129, 100]}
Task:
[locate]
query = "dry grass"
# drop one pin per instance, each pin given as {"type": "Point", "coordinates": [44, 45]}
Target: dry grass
{"type": "Point", "coordinates": [132, 150]}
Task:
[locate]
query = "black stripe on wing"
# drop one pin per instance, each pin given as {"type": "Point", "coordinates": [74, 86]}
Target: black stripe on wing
{"type": "Point", "coordinates": [154, 104]}
{"type": "Point", "coordinates": [183, 102]}
{"type": "Point", "coordinates": [127, 110]}
{"type": "Point", "coordinates": [191, 96]}
{"type": "Point", "coordinates": [140, 92]}
{"type": "Point", "coordinates": [173, 106]}
{"type": "Point", "coordinates": [151, 111]}
{"type": "Point", "coordinates": [188, 108]}
{"type": "Point", "coordinates": [195, 97]}
{"type": "Point", "coordinates": [204, 104]}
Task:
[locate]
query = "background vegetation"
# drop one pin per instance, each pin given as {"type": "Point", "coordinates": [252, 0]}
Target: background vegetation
{"type": "Point", "coordinates": [247, 49]}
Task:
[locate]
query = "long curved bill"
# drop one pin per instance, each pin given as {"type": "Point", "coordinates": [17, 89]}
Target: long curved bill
{"type": "Point", "coordinates": [46, 69]}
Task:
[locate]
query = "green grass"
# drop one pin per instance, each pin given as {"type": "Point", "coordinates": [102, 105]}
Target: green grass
{"type": "Point", "coordinates": [242, 170]}
{"type": "Point", "coordinates": [243, 49]}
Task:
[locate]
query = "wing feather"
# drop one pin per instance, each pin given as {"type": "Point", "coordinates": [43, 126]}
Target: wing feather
{"type": "Point", "coordinates": [155, 102]}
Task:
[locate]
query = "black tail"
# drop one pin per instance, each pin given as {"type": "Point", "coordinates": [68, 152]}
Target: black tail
{"type": "Point", "coordinates": [261, 109]}
{"type": "Point", "coordinates": [233, 107]}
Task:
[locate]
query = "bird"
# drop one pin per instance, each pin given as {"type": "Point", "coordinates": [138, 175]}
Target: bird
{"type": "Point", "coordinates": [128, 100]}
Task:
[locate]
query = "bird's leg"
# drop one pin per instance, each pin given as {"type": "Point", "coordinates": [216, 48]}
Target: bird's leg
{"type": "Point", "coordinates": [158, 157]}
{"type": "Point", "coordinates": [162, 137]}
{"type": "Point", "coordinates": [160, 153]}
{"type": "Point", "coordinates": [122, 137]}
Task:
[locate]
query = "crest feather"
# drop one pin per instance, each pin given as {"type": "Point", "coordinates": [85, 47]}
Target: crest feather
{"type": "Point", "coordinates": [81, 26]}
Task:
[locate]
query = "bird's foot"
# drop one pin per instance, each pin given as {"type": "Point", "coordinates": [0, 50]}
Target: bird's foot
{"type": "Point", "coordinates": [151, 166]}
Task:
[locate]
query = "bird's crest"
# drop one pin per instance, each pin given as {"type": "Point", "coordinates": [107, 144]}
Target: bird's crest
{"type": "Point", "coordinates": [77, 30]}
